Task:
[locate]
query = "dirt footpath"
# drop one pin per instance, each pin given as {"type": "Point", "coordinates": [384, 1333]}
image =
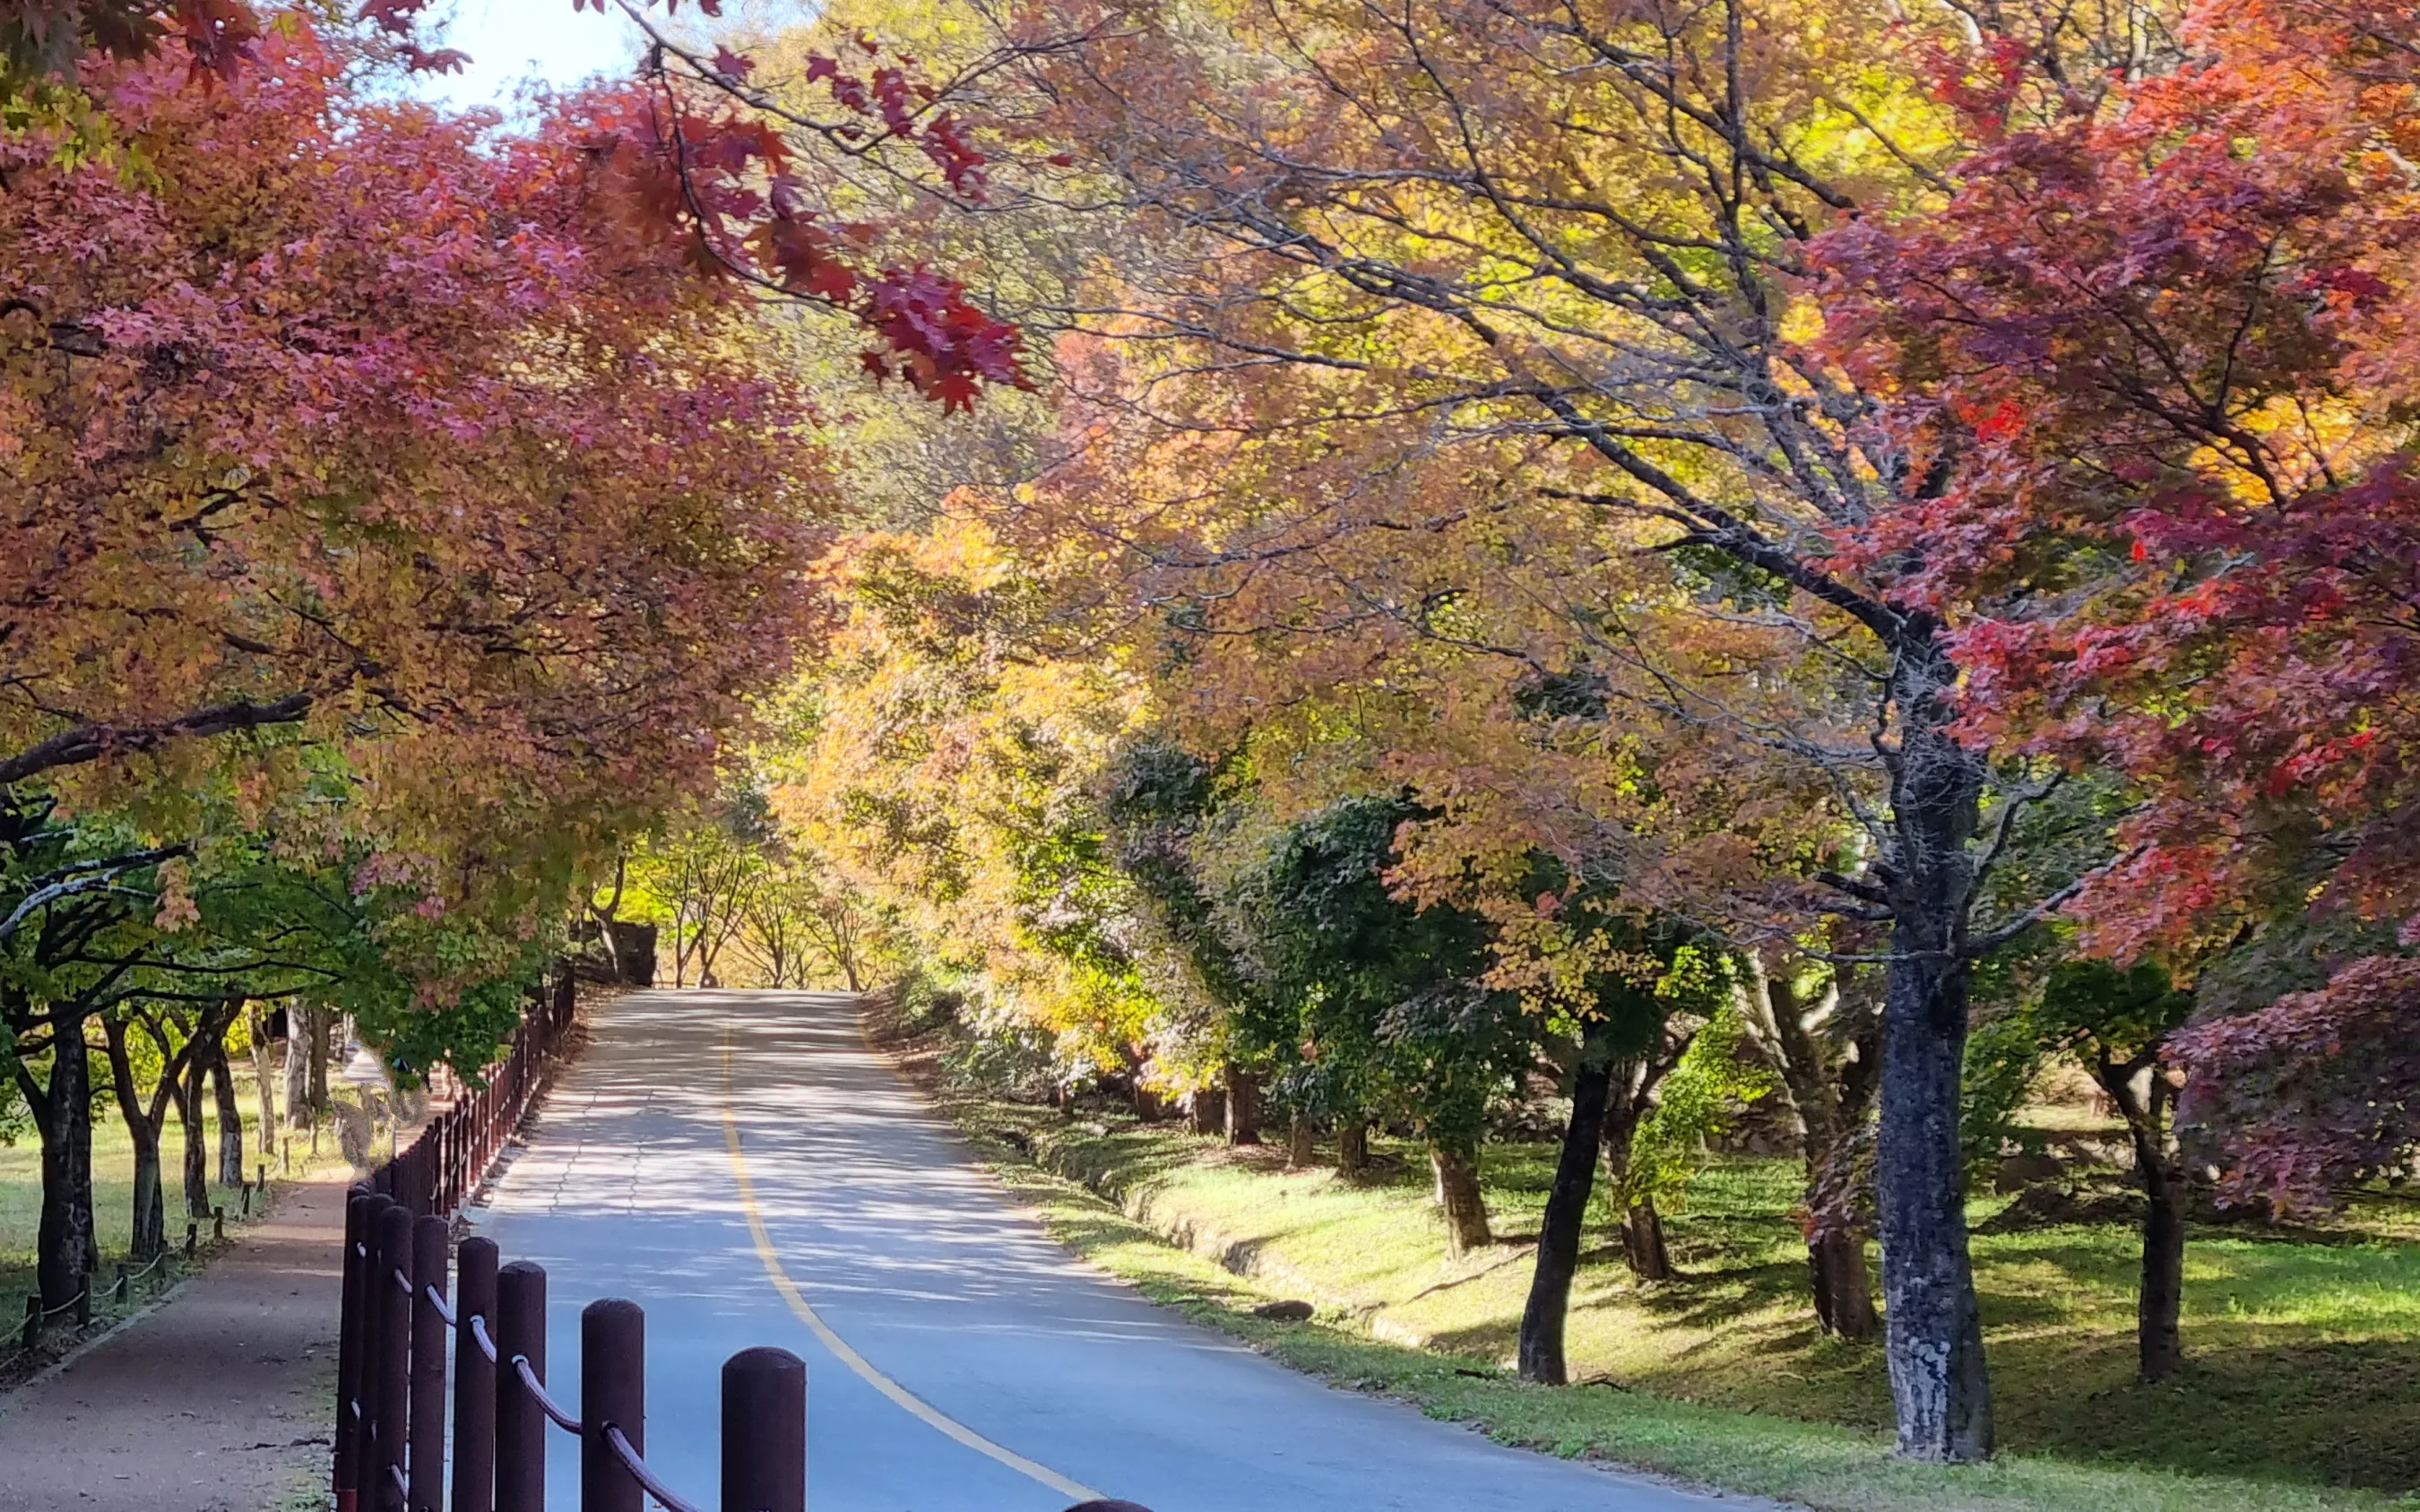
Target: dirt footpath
{"type": "Point", "coordinates": [218, 1401]}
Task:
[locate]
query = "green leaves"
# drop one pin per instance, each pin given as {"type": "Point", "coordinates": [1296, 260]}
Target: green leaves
{"type": "Point", "coordinates": [1697, 1104]}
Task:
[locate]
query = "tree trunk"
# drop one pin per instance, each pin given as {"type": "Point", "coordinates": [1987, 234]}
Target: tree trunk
{"type": "Point", "coordinates": [149, 1213]}
{"type": "Point", "coordinates": [64, 1242]}
{"type": "Point", "coordinates": [604, 915]}
{"type": "Point", "coordinates": [1559, 1233]}
{"type": "Point", "coordinates": [189, 1118]}
{"type": "Point", "coordinates": [1642, 1227]}
{"type": "Point", "coordinates": [264, 1085]}
{"type": "Point", "coordinates": [1642, 1242]}
{"type": "Point", "coordinates": [1829, 1094]}
{"type": "Point", "coordinates": [1353, 1147]}
{"type": "Point", "coordinates": [1209, 1110]}
{"type": "Point", "coordinates": [1934, 1333]}
{"type": "Point", "coordinates": [230, 1115]}
{"type": "Point", "coordinates": [1301, 1146]}
{"type": "Point", "coordinates": [294, 1075]}
{"type": "Point", "coordinates": [2159, 1344]}
{"type": "Point", "coordinates": [1844, 1292]}
{"type": "Point", "coordinates": [323, 1031]}
{"type": "Point", "coordinates": [1458, 1194]}
{"type": "Point", "coordinates": [1242, 1106]}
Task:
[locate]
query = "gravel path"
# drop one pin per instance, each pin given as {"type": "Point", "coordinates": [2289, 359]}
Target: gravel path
{"type": "Point", "coordinates": [216, 1401]}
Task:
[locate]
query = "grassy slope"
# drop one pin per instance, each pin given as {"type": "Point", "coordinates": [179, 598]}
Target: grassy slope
{"type": "Point", "coordinates": [2304, 1390]}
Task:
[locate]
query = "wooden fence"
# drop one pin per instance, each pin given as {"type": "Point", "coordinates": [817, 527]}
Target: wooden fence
{"type": "Point", "coordinates": [392, 1424]}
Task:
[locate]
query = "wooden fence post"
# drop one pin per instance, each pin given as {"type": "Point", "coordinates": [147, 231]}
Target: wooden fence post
{"type": "Point", "coordinates": [763, 1432]}
{"type": "Point", "coordinates": [521, 1423]}
{"type": "Point", "coordinates": [474, 1384]}
{"type": "Point", "coordinates": [391, 1283]}
{"type": "Point", "coordinates": [431, 1237]}
{"type": "Point", "coordinates": [352, 1344]}
{"type": "Point", "coordinates": [613, 1394]}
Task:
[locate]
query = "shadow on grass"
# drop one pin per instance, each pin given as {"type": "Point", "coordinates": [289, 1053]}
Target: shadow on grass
{"type": "Point", "coordinates": [2325, 1413]}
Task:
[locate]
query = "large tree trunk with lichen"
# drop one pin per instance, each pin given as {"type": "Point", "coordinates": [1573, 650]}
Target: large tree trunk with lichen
{"type": "Point", "coordinates": [1540, 1349]}
{"type": "Point", "coordinates": [1934, 1333]}
{"type": "Point", "coordinates": [1458, 1196]}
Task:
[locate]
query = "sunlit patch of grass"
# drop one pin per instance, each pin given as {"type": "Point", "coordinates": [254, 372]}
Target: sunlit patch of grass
{"type": "Point", "coordinates": [2302, 1373]}
{"type": "Point", "coordinates": [1823, 1465]}
{"type": "Point", "coordinates": [112, 1190]}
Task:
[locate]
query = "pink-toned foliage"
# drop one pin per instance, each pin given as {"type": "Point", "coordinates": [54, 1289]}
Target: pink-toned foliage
{"type": "Point", "coordinates": [347, 418]}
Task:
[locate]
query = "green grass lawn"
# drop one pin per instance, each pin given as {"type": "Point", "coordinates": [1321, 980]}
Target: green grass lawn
{"type": "Point", "coordinates": [2302, 1390]}
{"type": "Point", "coordinates": [112, 1181]}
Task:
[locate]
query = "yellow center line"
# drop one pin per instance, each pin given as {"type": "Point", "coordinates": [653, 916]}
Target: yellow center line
{"type": "Point", "coordinates": [907, 1400]}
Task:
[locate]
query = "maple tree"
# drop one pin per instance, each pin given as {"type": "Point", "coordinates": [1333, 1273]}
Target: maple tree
{"type": "Point", "coordinates": [1373, 1003]}
{"type": "Point", "coordinates": [2116, 1025]}
{"type": "Point", "coordinates": [2158, 350]}
{"type": "Point", "coordinates": [378, 489]}
{"type": "Point", "coordinates": [941, 760]}
{"type": "Point", "coordinates": [1475, 328]}
{"type": "Point", "coordinates": [246, 409]}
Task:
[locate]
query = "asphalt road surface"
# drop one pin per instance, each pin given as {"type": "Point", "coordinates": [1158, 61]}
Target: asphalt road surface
{"type": "Point", "coordinates": [741, 1165]}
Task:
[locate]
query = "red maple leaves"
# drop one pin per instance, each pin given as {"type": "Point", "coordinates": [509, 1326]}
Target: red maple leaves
{"type": "Point", "coordinates": [2152, 356]}
{"type": "Point", "coordinates": [717, 176]}
{"type": "Point", "coordinates": [722, 181]}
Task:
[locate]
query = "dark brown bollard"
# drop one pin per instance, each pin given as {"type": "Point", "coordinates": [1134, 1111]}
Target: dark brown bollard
{"type": "Point", "coordinates": [348, 1348]}
{"type": "Point", "coordinates": [613, 1394]}
{"type": "Point", "coordinates": [431, 1237]}
{"type": "Point", "coordinates": [763, 1432]}
{"type": "Point", "coordinates": [354, 1344]}
{"type": "Point", "coordinates": [391, 1284]}
{"type": "Point", "coordinates": [474, 1380]}
{"type": "Point", "coordinates": [521, 1422]}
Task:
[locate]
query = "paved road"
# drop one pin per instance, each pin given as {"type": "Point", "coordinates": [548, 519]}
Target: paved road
{"type": "Point", "coordinates": [744, 1167]}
